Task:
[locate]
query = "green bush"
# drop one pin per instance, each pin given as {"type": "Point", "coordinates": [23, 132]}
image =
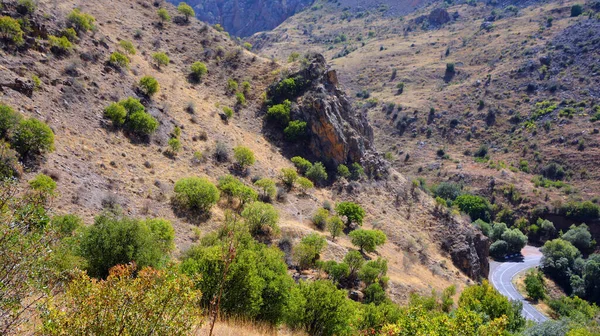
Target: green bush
{"type": "Point", "coordinates": [288, 176]}
{"type": "Point", "coordinates": [307, 252]}
{"type": "Point", "coordinates": [186, 10]}
{"type": "Point", "coordinates": [553, 171]}
{"type": "Point", "coordinates": [196, 194]}
{"type": "Point", "coordinates": [66, 224]}
{"type": "Point", "coordinates": [69, 33]}
{"type": "Point", "coordinates": [353, 212]}
{"type": "Point", "coordinates": [149, 85]}
{"type": "Point", "coordinates": [10, 30]}
{"type": "Point", "coordinates": [515, 239]}
{"type": "Point", "coordinates": [43, 185]}
{"type": "Point", "coordinates": [304, 184]}
{"type": "Point", "coordinates": [268, 188]}
{"type": "Point", "coordinates": [233, 188]}
{"type": "Point", "coordinates": [174, 146]}
{"type": "Point", "coordinates": [580, 237]}
{"type": "Point", "coordinates": [373, 271]}
{"type": "Point", "coordinates": [115, 240]}
{"type": "Point", "coordinates": [132, 105]}
{"type": "Point", "coordinates": [499, 249]}
{"type": "Point", "coordinates": [240, 99]}
{"type": "Point", "coordinates": [116, 113]}
{"type": "Point", "coordinates": [232, 85]}
{"type": "Point", "coordinates": [580, 210]}
{"type": "Point", "coordinates": [163, 14]}
{"type": "Point", "coordinates": [559, 259]}
{"type": "Point", "coordinates": [81, 22]}
{"type": "Point", "coordinates": [198, 70]}
{"type": "Point", "coordinates": [335, 226]}
{"type": "Point", "coordinates": [302, 164]}
{"type": "Point", "coordinates": [128, 47]}
{"type": "Point", "coordinates": [9, 162]}
{"type": "Point", "coordinates": [118, 60]}
{"type": "Point", "coordinates": [243, 156]}
{"type": "Point", "coordinates": [356, 171]}
{"type": "Point", "coordinates": [261, 219]}
{"type": "Point", "coordinates": [142, 123]}
{"type": "Point", "coordinates": [9, 119]}
{"type": "Point", "coordinates": [534, 285]}
{"type": "Point", "coordinates": [32, 136]}
{"type": "Point", "coordinates": [576, 10]}
{"type": "Point", "coordinates": [476, 207]}
{"type": "Point", "coordinates": [573, 307]}
{"type": "Point", "coordinates": [343, 171]}
{"type": "Point", "coordinates": [374, 294]}
{"type": "Point", "coordinates": [60, 45]}
{"type": "Point", "coordinates": [317, 173]}
{"type": "Point", "coordinates": [447, 190]}
{"type": "Point", "coordinates": [161, 59]}
{"type": "Point", "coordinates": [280, 113]}
{"type": "Point", "coordinates": [295, 130]}
{"type": "Point", "coordinates": [320, 218]}
{"type": "Point", "coordinates": [131, 113]}
{"type": "Point", "coordinates": [367, 240]}
{"type": "Point", "coordinates": [228, 112]}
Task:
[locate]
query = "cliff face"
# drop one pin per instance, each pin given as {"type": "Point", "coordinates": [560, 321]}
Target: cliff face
{"type": "Point", "coordinates": [246, 17]}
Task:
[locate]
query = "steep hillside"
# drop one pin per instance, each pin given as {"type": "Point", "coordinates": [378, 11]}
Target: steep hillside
{"type": "Point", "coordinates": [490, 97]}
{"type": "Point", "coordinates": [97, 165]}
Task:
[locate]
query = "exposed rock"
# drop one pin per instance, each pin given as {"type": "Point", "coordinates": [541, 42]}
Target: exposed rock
{"type": "Point", "coordinates": [438, 17]}
{"type": "Point", "coordinates": [469, 250]}
{"type": "Point", "coordinates": [487, 25]}
{"type": "Point", "coordinates": [357, 296]}
{"type": "Point", "coordinates": [24, 86]}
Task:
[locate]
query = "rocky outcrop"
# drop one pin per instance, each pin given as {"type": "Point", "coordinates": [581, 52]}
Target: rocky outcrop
{"type": "Point", "coordinates": [338, 134]}
{"type": "Point", "coordinates": [469, 250]}
{"type": "Point", "coordinates": [246, 17]}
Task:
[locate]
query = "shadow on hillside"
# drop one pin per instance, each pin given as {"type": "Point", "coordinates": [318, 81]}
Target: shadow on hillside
{"type": "Point", "coordinates": [192, 216]}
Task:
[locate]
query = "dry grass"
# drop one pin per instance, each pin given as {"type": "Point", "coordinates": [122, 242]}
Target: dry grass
{"type": "Point", "coordinates": [237, 327]}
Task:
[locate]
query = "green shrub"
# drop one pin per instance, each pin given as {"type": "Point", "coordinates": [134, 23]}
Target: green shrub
{"type": "Point", "coordinates": [186, 10]}
{"type": "Point", "coordinates": [499, 249]}
{"type": "Point", "coordinates": [174, 146]}
{"type": "Point", "coordinates": [307, 252]}
{"type": "Point", "coordinates": [247, 46]}
{"type": "Point", "coordinates": [115, 240]}
{"type": "Point", "coordinates": [32, 136]}
{"type": "Point", "coordinates": [573, 307]}
{"type": "Point", "coordinates": [268, 188]}
{"type": "Point", "coordinates": [132, 105]}
{"type": "Point", "coordinates": [9, 119]}
{"type": "Point", "coordinates": [280, 113]}
{"type": "Point", "coordinates": [81, 22]}
{"type": "Point", "coordinates": [149, 85]}
{"type": "Point", "coordinates": [534, 285]}
{"type": "Point", "coordinates": [559, 259]}
{"type": "Point", "coordinates": [356, 171]}
{"type": "Point", "coordinates": [447, 190]}
{"type": "Point", "coordinates": [295, 130]}
{"type": "Point", "coordinates": [580, 237]}
{"type": "Point", "coordinates": [10, 30]}
{"type": "Point", "coordinates": [163, 14]}
{"type": "Point", "coordinates": [302, 164]}
{"type": "Point", "coordinates": [43, 185]}
{"type": "Point", "coordinates": [261, 219]}
{"type": "Point", "coordinates": [198, 70]}
{"type": "Point", "coordinates": [66, 224]}
{"type": "Point", "coordinates": [576, 10]}
{"type": "Point", "coordinates": [304, 184]}
{"type": "Point", "coordinates": [288, 176]}
{"type": "Point", "coordinates": [353, 212]}
{"type": "Point", "coordinates": [118, 60]}
{"type": "Point", "coordinates": [580, 210]}
{"type": "Point", "coordinates": [317, 173]}
{"type": "Point", "coordinates": [196, 194]}
{"type": "Point", "coordinates": [232, 85]}
{"type": "Point", "coordinates": [69, 33]}
{"type": "Point", "coordinates": [243, 156]}
{"type": "Point", "coordinates": [246, 87]}
{"type": "Point", "coordinates": [335, 226]}
{"type": "Point", "coordinates": [373, 271]}
{"type": "Point", "coordinates": [476, 207]}
{"type": "Point", "coordinates": [60, 45]}
{"type": "Point", "coordinates": [9, 162]}
{"type": "Point", "coordinates": [320, 218]}
{"type": "Point", "coordinates": [37, 82]}
{"type": "Point", "coordinates": [240, 99]}
{"type": "Point", "coordinates": [233, 188]}
{"type": "Point", "coordinates": [343, 171]}
{"type": "Point", "coordinates": [161, 59]}
{"type": "Point", "coordinates": [367, 240]}
{"type": "Point", "coordinates": [141, 123]}
{"type": "Point", "coordinates": [228, 112]}
{"type": "Point", "coordinates": [128, 47]}
{"type": "Point", "coordinates": [515, 239]}
{"type": "Point", "coordinates": [116, 113]}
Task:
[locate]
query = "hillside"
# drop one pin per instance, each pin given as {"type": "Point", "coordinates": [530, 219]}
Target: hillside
{"type": "Point", "coordinates": [97, 165]}
{"type": "Point", "coordinates": [516, 86]}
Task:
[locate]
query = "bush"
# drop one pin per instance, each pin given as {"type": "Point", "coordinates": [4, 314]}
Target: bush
{"type": "Point", "coordinates": [186, 10]}
{"type": "Point", "coordinates": [161, 59]}
{"type": "Point", "coordinates": [367, 240]}
{"type": "Point", "coordinates": [576, 10]}
{"type": "Point", "coordinates": [228, 112]}
{"type": "Point", "coordinates": [198, 70]}
{"type": "Point", "coordinates": [307, 252]}
{"type": "Point", "coordinates": [196, 194]}
{"type": "Point", "coordinates": [116, 113]}
{"type": "Point", "coordinates": [356, 171]}
{"type": "Point", "coordinates": [476, 207]}
{"type": "Point", "coordinates": [481, 152]}
{"type": "Point", "coordinates": [174, 146]}
{"type": "Point", "coordinates": [43, 185]}
{"type": "Point", "coordinates": [149, 85]}
{"type": "Point", "coordinates": [240, 99]}
{"type": "Point", "coordinates": [128, 47]}
{"type": "Point", "coordinates": [374, 294]}
{"type": "Point", "coordinates": [558, 260]}
{"type": "Point", "coordinates": [118, 60]}
{"type": "Point", "coordinates": [234, 188]}
{"type": "Point", "coordinates": [10, 30]}
{"type": "Point", "coordinates": [534, 285]}
{"type": "Point", "coordinates": [343, 171]}
{"type": "Point", "coordinates": [60, 45]}
{"type": "Point", "coordinates": [32, 136]}
{"type": "Point", "coordinates": [69, 33]}
{"type": "Point", "coordinates": [81, 22]}
{"type": "Point", "coordinates": [580, 210]}
{"type": "Point", "coordinates": [261, 219]}
{"type": "Point", "coordinates": [268, 188]}
{"type": "Point", "coordinates": [353, 212]}
{"type": "Point", "coordinates": [288, 177]}
{"type": "Point", "coordinates": [295, 130]}
{"type": "Point", "coordinates": [317, 173]}
{"type": "Point", "coordinates": [450, 68]}
{"type": "Point", "coordinates": [373, 271]}
{"type": "Point", "coordinates": [115, 305]}
{"type": "Point", "coordinates": [142, 123]}
{"type": "Point", "coordinates": [9, 163]}
{"type": "Point", "coordinates": [499, 249]}
{"type": "Point", "coordinates": [244, 156]}
{"type": "Point", "coordinates": [515, 239]}
{"type": "Point", "coordinates": [280, 113]}
{"type": "Point", "coordinates": [448, 190]}
{"type": "Point", "coordinates": [9, 119]}
{"type": "Point", "coordinates": [553, 171]}
{"type": "Point", "coordinates": [302, 164]}
{"type": "Point", "coordinates": [304, 184]}
{"type": "Point", "coordinates": [163, 14]}
{"type": "Point", "coordinates": [115, 240]}
{"type": "Point", "coordinates": [320, 218]}
{"type": "Point", "coordinates": [573, 307]}
{"type": "Point", "coordinates": [335, 226]}
{"type": "Point", "coordinates": [580, 237]}
{"type": "Point", "coordinates": [66, 224]}
{"type": "Point", "coordinates": [485, 228]}
{"type": "Point", "coordinates": [232, 85]}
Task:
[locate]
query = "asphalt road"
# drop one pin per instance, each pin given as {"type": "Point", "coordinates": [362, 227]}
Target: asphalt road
{"type": "Point", "coordinates": [502, 273]}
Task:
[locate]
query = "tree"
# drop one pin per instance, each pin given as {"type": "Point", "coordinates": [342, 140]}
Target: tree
{"type": "Point", "coordinates": [244, 157]}
{"type": "Point", "coordinates": [186, 10]}
{"type": "Point", "coordinates": [336, 271]}
{"type": "Point", "coordinates": [43, 186]}
{"type": "Point", "coordinates": [288, 177]}
{"type": "Point", "coordinates": [317, 173]}
{"type": "Point", "coordinates": [343, 171]}
{"type": "Point", "coordinates": [576, 10]}
{"type": "Point", "coordinates": [580, 237]}
{"type": "Point", "coordinates": [115, 239]}
{"type": "Point", "coordinates": [302, 164]}
{"type": "Point", "coordinates": [476, 207]}
{"type": "Point", "coordinates": [166, 299]}
{"type": "Point", "coordinates": [498, 230]}
{"type": "Point", "coordinates": [591, 277]}
{"type": "Point", "coordinates": [374, 293]}
{"type": "Point", "coordinates": [268, 188]}
{"type": "Point", "coordinates": [515, 239]}
{"type": "Point", "coordinates": [304, 184]}
{"type": "Point", "coordinates": [373, 271]}
{"type": "Point", "coordinates": [174, 146]}
{"type": "Point", "coordinates": [149, 85]}
{"type": "Point", "coordinates": [356, 171]}
{"type": "Point", "coordinates": [320, 308]}
{"type": "Point", "coordinates": [320, 218]}
{"type": "Point", "coordinates": [198, 70]}
{"type": "Point", "coordinates": [9, 162]}
{"type": "Point", "coordinates": [499, 249]}
{"type": "Point", "coordinates": [335, 226]}
{"type": "Point", "coordinates": [161, 59]}
{"type": "Point", "coordinates": [234, 188]}
{"type": "Point", "coordinates": [367, 240]}
{"type": "Point", "coordinates": [558, 259]}
{"type": "Point", "coordinates": [163, 14]}
{"type": "Point", "coordinates": [10, 30]}
{"type": "Point", "coordinates": [32, 136]}
{"type": "Point", "coordinates": [353, 212]}
{"type": "Point", "coordinates": [261, 219]}
{"type": "Point", "coordinates": [196, 194]}
{"type": "Point", "coordinates": [306, 253]}
{"type": "Point", "coordinates": [534, 285]}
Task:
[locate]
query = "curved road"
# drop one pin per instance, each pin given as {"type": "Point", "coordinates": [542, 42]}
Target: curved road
{"type": "Point", "coordinates": [502, 273]}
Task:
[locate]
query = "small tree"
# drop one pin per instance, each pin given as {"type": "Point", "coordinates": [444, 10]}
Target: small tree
{"type": "Point", "coordinates": [304, 184]}
{"type": "Point", "coordinates": [149, 85]}
{"type": "Point", "coordinates": [142, 123]}
{"type": "Point", "coordinates": [307, 252]}
{"type": "Point", "coordinates": [302, 164]}
{"type": "Point", "coordinates": [232, 85]}
{"type": "Point", "coordinates": [198, 70]}
{"type": "Point", "coordinates": [174, 146]}
{"type": "Point", "coordinates": [280, 113]}
{"type": "Point", "coordinates": [118, 60]}
{"type": "Point", "coordinates": [43, 185]}
{"type": "Point", "coordinates": [335, 226]}
{"type": "Point", "coordinates": [268, 188]}
{"type": "Point", "coordinates": [196, 194]}
{"type": "Point", "coordinates": [32, 136]}
{"type": "Point", "coordinates": [288, 177]}
{"type": "Point", "coordinates": [357, 171]}
{"type": "Point", "coordinates": [580, 237]}
{"type": "Point", "coordinates": [161, 59]}
{"type": "Point", "coordinates": [60, 45]}
{"type": "Point", "coordinates": [498, 249]}
{"type": "Point", "coordinates": [367, 240]}
{"type": "Point", "coordinates": [515, 239]}
{"type": "Point", "coordinates": [186, 10]}
{"type": "Point", "coordinates": [320, 218]}
{"type": "Point", "coordinates": [355, 261]}
{"type": "Point", "coordinates": [343, 171]}
{"type": "Point", "coordinates": [353, 212]}
{"type": "Point", "coordinates": [116, 113]}
{"type": "Point", "coordinates": [244, 157]}
{"type": "Point", "coordinates": [576, 10]}
{"type": "Point", "coordinates": [317, 173]}
{"type": "Point", "coordinates": [534, 285]}
{"type": "Point", "coordinates": [163, 14]}
{"type": "Point", "coordinates": [261, 219]}
{"type": "Point", "coordinates": [295, 130]}
{"type": "Point", "coordinates": [240, 99]}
